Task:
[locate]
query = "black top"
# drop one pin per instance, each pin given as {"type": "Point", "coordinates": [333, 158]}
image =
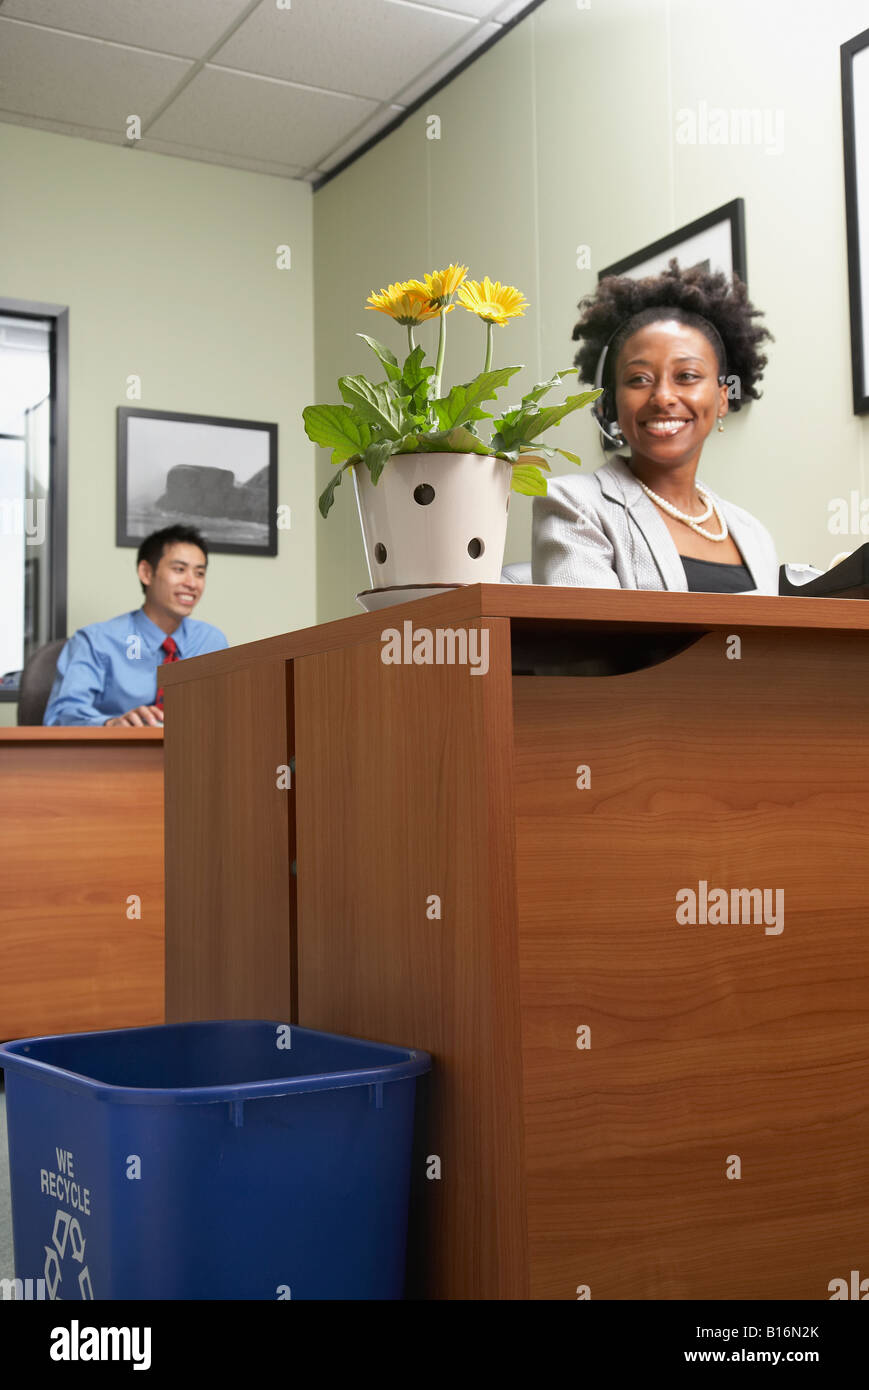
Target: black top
{"type": "Point", "coordinates": [711, 577]}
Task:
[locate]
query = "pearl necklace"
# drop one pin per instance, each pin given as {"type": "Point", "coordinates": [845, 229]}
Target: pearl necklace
{"type": "Point", "coordinates": [692, 521]}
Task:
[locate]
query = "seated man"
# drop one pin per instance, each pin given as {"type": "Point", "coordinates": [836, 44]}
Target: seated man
{"type": "Point", "coordinates": [108, 672]}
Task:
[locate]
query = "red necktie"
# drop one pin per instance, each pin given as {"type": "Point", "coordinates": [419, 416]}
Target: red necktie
{"type": "Point", "coordinates": [170, 647]}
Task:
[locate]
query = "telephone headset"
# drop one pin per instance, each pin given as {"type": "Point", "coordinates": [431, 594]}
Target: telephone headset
{"type": "Point", "coordinates": [604, 405]}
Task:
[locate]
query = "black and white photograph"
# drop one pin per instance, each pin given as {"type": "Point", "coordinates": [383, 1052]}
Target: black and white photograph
{"type": "Point", "coordinates": [711, 243]}
{"type": "Point", "coordinates": [198, 470]}
{"type": "Point", "coordinates": [855, 136]}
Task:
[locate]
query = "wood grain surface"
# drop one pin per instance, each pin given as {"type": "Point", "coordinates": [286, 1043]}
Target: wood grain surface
{"type": "Point", "coordinates": [405, 792]}
{"type": "Point", "coordinates": [81, 829]}
{"type": "Point", "coordinates": [228, 901]}
{"type": "Point", "coordinates": [621, 609]}
{"type": "Point", "coordinates": [78, 733]}
{"type": "Point", "coordinates": [561, 1167]}
{"type": "Point", "coordinates": [708, 1040]}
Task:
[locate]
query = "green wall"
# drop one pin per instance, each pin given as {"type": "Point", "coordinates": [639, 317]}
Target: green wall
{"type": "Point", "coordinates": [168, 267]}
{"type": "Point", "coordinates": [563, 135]}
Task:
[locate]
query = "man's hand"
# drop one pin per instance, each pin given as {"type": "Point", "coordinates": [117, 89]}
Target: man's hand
{"type": "Point", "coordinates": [144, 717]}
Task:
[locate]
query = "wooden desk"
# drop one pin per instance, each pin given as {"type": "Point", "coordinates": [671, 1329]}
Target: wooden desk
{"type": "Point", "coordinates": [81, 831]}
{"type": "Point", "coordinates": [612, 1166]}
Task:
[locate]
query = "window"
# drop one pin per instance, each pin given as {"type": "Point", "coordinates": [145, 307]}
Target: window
{"type": "Point", "coordinates": [33, 391]}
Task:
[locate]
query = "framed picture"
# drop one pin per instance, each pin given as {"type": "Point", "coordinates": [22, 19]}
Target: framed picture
{"type": "Point", "coordinates": [218, 475]}
{"type": "Point", "coordinates": [855, 133]}
{"type": "Point", "coordinates": [715, 241]}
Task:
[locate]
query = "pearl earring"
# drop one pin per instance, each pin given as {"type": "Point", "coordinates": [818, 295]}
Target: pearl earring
{"type": "Point", "coordinates": [721, 424]}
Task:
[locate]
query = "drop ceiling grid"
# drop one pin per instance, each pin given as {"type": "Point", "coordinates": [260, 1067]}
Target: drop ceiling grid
{"type": "Point", "coordinates": [220, 80]}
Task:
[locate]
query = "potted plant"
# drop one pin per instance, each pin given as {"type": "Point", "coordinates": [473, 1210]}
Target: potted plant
{"type": "Point", "coordinates": [433, 495]}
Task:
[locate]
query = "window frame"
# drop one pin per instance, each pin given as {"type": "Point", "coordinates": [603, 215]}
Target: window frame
{"type": "Point", "coordinates": [58, 315]}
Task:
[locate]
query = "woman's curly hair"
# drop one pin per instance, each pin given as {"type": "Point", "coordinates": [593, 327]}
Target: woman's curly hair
{"type": "Point", "coordinates": [696, 297]}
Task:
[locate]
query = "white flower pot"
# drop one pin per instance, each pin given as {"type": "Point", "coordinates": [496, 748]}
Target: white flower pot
{"type": "Point", "coordinates": [434, 519]}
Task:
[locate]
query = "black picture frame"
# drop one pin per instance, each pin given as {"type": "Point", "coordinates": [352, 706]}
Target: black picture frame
{"type": "Point", "coordinates": [197, 494]}
{"type": "Point", "coordinates": [730, 215]}
{"type": "Point", "coordinates": [855, 143]}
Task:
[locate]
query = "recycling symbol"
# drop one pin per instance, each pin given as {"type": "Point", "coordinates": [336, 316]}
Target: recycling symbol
{"type": "Point", "coordinates": [67, 1233]}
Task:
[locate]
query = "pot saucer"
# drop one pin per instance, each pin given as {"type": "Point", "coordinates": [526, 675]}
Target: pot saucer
{"type": "Point", "coordinates": [374, 599]}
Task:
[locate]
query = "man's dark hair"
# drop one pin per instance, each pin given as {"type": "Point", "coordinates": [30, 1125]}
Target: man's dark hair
{"type": "Point", "coordinates": [153, 547]}
{"type": "Point", "coordinates": [696, 297]}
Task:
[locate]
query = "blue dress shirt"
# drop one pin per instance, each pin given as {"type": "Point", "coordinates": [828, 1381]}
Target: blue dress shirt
{"type": "Point", "coordinates": [106, 669]}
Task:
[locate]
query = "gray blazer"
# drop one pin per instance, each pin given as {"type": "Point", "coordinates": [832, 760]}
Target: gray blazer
{"type": "Point", "coordinates": [601, 531]}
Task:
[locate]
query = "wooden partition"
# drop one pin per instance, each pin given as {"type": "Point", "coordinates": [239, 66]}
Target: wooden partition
{"type": "Point", "coordinates": [496, 868]}
{"type": "Point", "coordinates": [81, 852]}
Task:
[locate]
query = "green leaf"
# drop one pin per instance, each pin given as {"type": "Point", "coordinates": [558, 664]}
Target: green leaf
{"type": "Point", "coordinates": [453, 441]}
{"type": "Point", "coordinates": [417, 381]}
{"type": "Point", "coordinates": [528, 480]}
{"type": "Point", "coordinates": [462, 402]}
{"type": "Point", "coordinates": [327, 496]}
{"type": "Point", "coordinates": [444, 413]}
{"type": "Point", "coordinates": [510, 416]}
{"type": "Point", "coordinates": [551, 415]}
{"type": "Point", "coordinates": [376, 457]}
{"type": "Point", "coordinates": [543, 387]}
{"type": "Point", "coordinates": [571, 458]}
{"type": "Point", "coordinates": [336, 427]}
{"type": "Point", "coordinates": [413, 373]}
{"type": "Point", "coordinates": [374, 404]}
{"type": "Point", "coordinates": [386, 355]}
{"type": "Point", "coordinates": [536, 459]}
{"type": "Point", "coordinates": [533, 422]}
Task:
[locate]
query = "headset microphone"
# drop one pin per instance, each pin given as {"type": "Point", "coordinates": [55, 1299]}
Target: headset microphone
{"type": "Point", "coordinates": [609, 429]}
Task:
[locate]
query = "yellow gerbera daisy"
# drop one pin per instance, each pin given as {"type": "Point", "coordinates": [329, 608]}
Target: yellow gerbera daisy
{"type": "Point", "coordinates": [493, 303]}
{"type": "Point", "coordinates": [441, 285]}
{"type": "Point", "coordinates": [406, 302]}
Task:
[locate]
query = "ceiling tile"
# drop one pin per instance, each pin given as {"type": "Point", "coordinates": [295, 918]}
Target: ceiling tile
{"type": "Point", "coordinates": [185, 27]}
{"type": "Point", "coordinates": [367, 47]}
{"type": "Point", "coordinates": [256, 166]}
{"type": "Point", "coordinates": [77, 129]}
{"type": "Point", "coordinates": [358, 138]}
{"type": "Point", "coordinates": [439, 70]}
{"type": "Point", "coordinates": [512, 8]}
{"type": "Point", "coordinates": [478, 9]}
{"type": "Point", "coordinates": [257, 118]}
{"type": "Point", "coordinates": [65, 78]}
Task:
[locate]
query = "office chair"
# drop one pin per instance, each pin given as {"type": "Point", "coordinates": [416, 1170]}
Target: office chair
{"type": "Point", "coordinates": [37, 678]}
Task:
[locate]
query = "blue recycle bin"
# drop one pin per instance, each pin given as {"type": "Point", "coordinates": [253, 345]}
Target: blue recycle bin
{"type": "Point", "coordinates": [217, 1160]}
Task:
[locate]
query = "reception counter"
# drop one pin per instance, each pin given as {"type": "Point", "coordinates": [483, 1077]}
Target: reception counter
{"type": "Point", "coordinates": [81, 863]}
{"type": "Point", "coordinates": [520, 867]}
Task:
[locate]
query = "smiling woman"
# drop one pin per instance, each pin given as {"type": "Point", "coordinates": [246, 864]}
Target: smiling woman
{"type": "Point", "coordinates": [673, 353]}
